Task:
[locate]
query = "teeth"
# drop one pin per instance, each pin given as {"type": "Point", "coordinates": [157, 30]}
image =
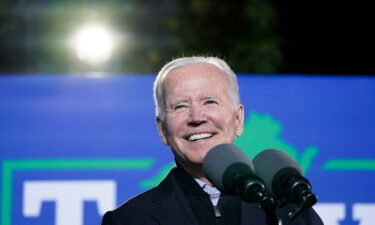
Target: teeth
{"type": "Point", "coordinates": [199, 136]}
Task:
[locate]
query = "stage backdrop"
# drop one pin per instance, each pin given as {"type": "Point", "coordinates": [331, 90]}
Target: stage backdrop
{"type": "Point", "coordinates": [73, 147]}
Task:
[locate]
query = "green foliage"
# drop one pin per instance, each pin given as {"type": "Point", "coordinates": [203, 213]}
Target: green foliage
{"type": "Point", "coordinates": [151, 33]}
{"type": "Point", "coordinates": [242, 32]}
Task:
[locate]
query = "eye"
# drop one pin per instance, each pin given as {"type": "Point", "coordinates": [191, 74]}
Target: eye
{"type": "Point", "coordinates": [179, 107]}
{"type": "Point", "coordinates": [210, 102]}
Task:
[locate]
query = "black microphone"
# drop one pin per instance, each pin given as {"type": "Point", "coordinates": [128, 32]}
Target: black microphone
{"type": "Point", "coordinates": [232, 172]}
{"type": "Point", "coordinates": [284, 179]}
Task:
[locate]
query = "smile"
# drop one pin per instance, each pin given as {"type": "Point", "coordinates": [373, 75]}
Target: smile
{"type": "Point", "coordinates": [196, 137]}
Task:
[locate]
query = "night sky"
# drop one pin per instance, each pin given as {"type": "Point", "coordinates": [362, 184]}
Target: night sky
{"type": "Point", "coordinates": [327, 37]}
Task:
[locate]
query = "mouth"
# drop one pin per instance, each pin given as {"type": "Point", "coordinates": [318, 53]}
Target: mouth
{"type": "Point", "coordinates": [200, 136]}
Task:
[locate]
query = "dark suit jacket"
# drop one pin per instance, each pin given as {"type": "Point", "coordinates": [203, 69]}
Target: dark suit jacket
{"type": "Point", "coordinates": [166, 205]}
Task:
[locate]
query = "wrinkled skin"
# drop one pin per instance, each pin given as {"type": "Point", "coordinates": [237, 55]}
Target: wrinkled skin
{"type": "Point", "coordinates": [200, 114]}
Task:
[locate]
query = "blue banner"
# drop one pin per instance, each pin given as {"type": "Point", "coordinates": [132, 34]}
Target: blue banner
{"type": "Point", "coordinates": [73, 147]}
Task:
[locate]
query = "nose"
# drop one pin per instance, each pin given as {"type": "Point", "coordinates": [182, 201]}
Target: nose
{"type": "Point", "coordinates": [197, 115]}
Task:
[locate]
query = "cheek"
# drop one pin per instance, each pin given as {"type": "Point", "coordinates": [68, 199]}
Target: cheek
{"type": "Point", "coordinates": [229, 123]}
{"type": "Point", "coordinates": [175, 125]}
{"type": "Point", "coordinates": [226, 119]}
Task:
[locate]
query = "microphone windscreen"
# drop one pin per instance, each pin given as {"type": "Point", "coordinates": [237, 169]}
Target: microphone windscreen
{"type": "Point", "coordinates": [220, 159]}
{"type": "Point", "coordinates": [269, 163]}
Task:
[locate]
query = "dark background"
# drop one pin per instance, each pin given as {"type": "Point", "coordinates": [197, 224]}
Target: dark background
{"type": "Point", "coordinates": [327, 37]}
{"type": "Point", "coordinates": [253, 36]}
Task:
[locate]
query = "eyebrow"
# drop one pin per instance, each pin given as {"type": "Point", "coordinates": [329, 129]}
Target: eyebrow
{"type": "Point", "coordinates": [210, 97]}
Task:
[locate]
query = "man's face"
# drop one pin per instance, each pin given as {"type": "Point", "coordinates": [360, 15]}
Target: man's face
{"type": "Point", "coordinates": [199, 112]}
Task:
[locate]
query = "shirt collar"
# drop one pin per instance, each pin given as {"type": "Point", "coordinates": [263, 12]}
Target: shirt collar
{"type": "Point", "coordinates": [212, 191]}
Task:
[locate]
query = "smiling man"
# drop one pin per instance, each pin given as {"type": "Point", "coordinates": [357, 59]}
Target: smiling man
{"type": "Point", "coordinates": [197, 107]}
{"type": "Point", "coordinates": [201, 111]}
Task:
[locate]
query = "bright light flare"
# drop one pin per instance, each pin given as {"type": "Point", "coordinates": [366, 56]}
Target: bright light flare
{"type": "Point", "coordinates": [94, 44]}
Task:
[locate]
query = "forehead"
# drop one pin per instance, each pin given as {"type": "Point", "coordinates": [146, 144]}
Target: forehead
{"type": "Point", "coordinates": [193, 75]}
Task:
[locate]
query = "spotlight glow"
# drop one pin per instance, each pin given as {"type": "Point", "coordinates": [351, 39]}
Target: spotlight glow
{"type": "Point", "coordinates": [94, 44]}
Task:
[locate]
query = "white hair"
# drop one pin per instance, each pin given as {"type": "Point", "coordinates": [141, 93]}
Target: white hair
{"type": "Point", "coordinates": [187, 61]}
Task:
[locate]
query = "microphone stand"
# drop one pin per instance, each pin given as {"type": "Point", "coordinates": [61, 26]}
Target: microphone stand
{"type": "Point", "coordinates": [300, 192]}
{"type": "Point", "coordinates": [252, 189]}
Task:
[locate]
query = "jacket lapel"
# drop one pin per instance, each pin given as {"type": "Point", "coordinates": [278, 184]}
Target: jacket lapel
{"type": "Point", "coordinates": [171, 207]}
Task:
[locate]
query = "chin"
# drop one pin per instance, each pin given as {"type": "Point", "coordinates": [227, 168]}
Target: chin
{"type": "Point", "coordinates": [198, 159]}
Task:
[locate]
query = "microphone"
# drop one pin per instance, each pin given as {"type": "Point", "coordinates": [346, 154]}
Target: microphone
{"type": "Point", "coordinates": [284, 179]}
{"type": "Point", "coordinates": [232, 172]}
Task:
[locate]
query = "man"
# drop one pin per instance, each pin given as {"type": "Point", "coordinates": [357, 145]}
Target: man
{"type": "Point", "coordinates": [197, 108]}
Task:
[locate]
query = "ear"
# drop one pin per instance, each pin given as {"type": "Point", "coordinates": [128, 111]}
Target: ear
{"type": "Point", "coordinates": [240, 117]}
{"type": "Point", "coordinates": [162, 131]}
